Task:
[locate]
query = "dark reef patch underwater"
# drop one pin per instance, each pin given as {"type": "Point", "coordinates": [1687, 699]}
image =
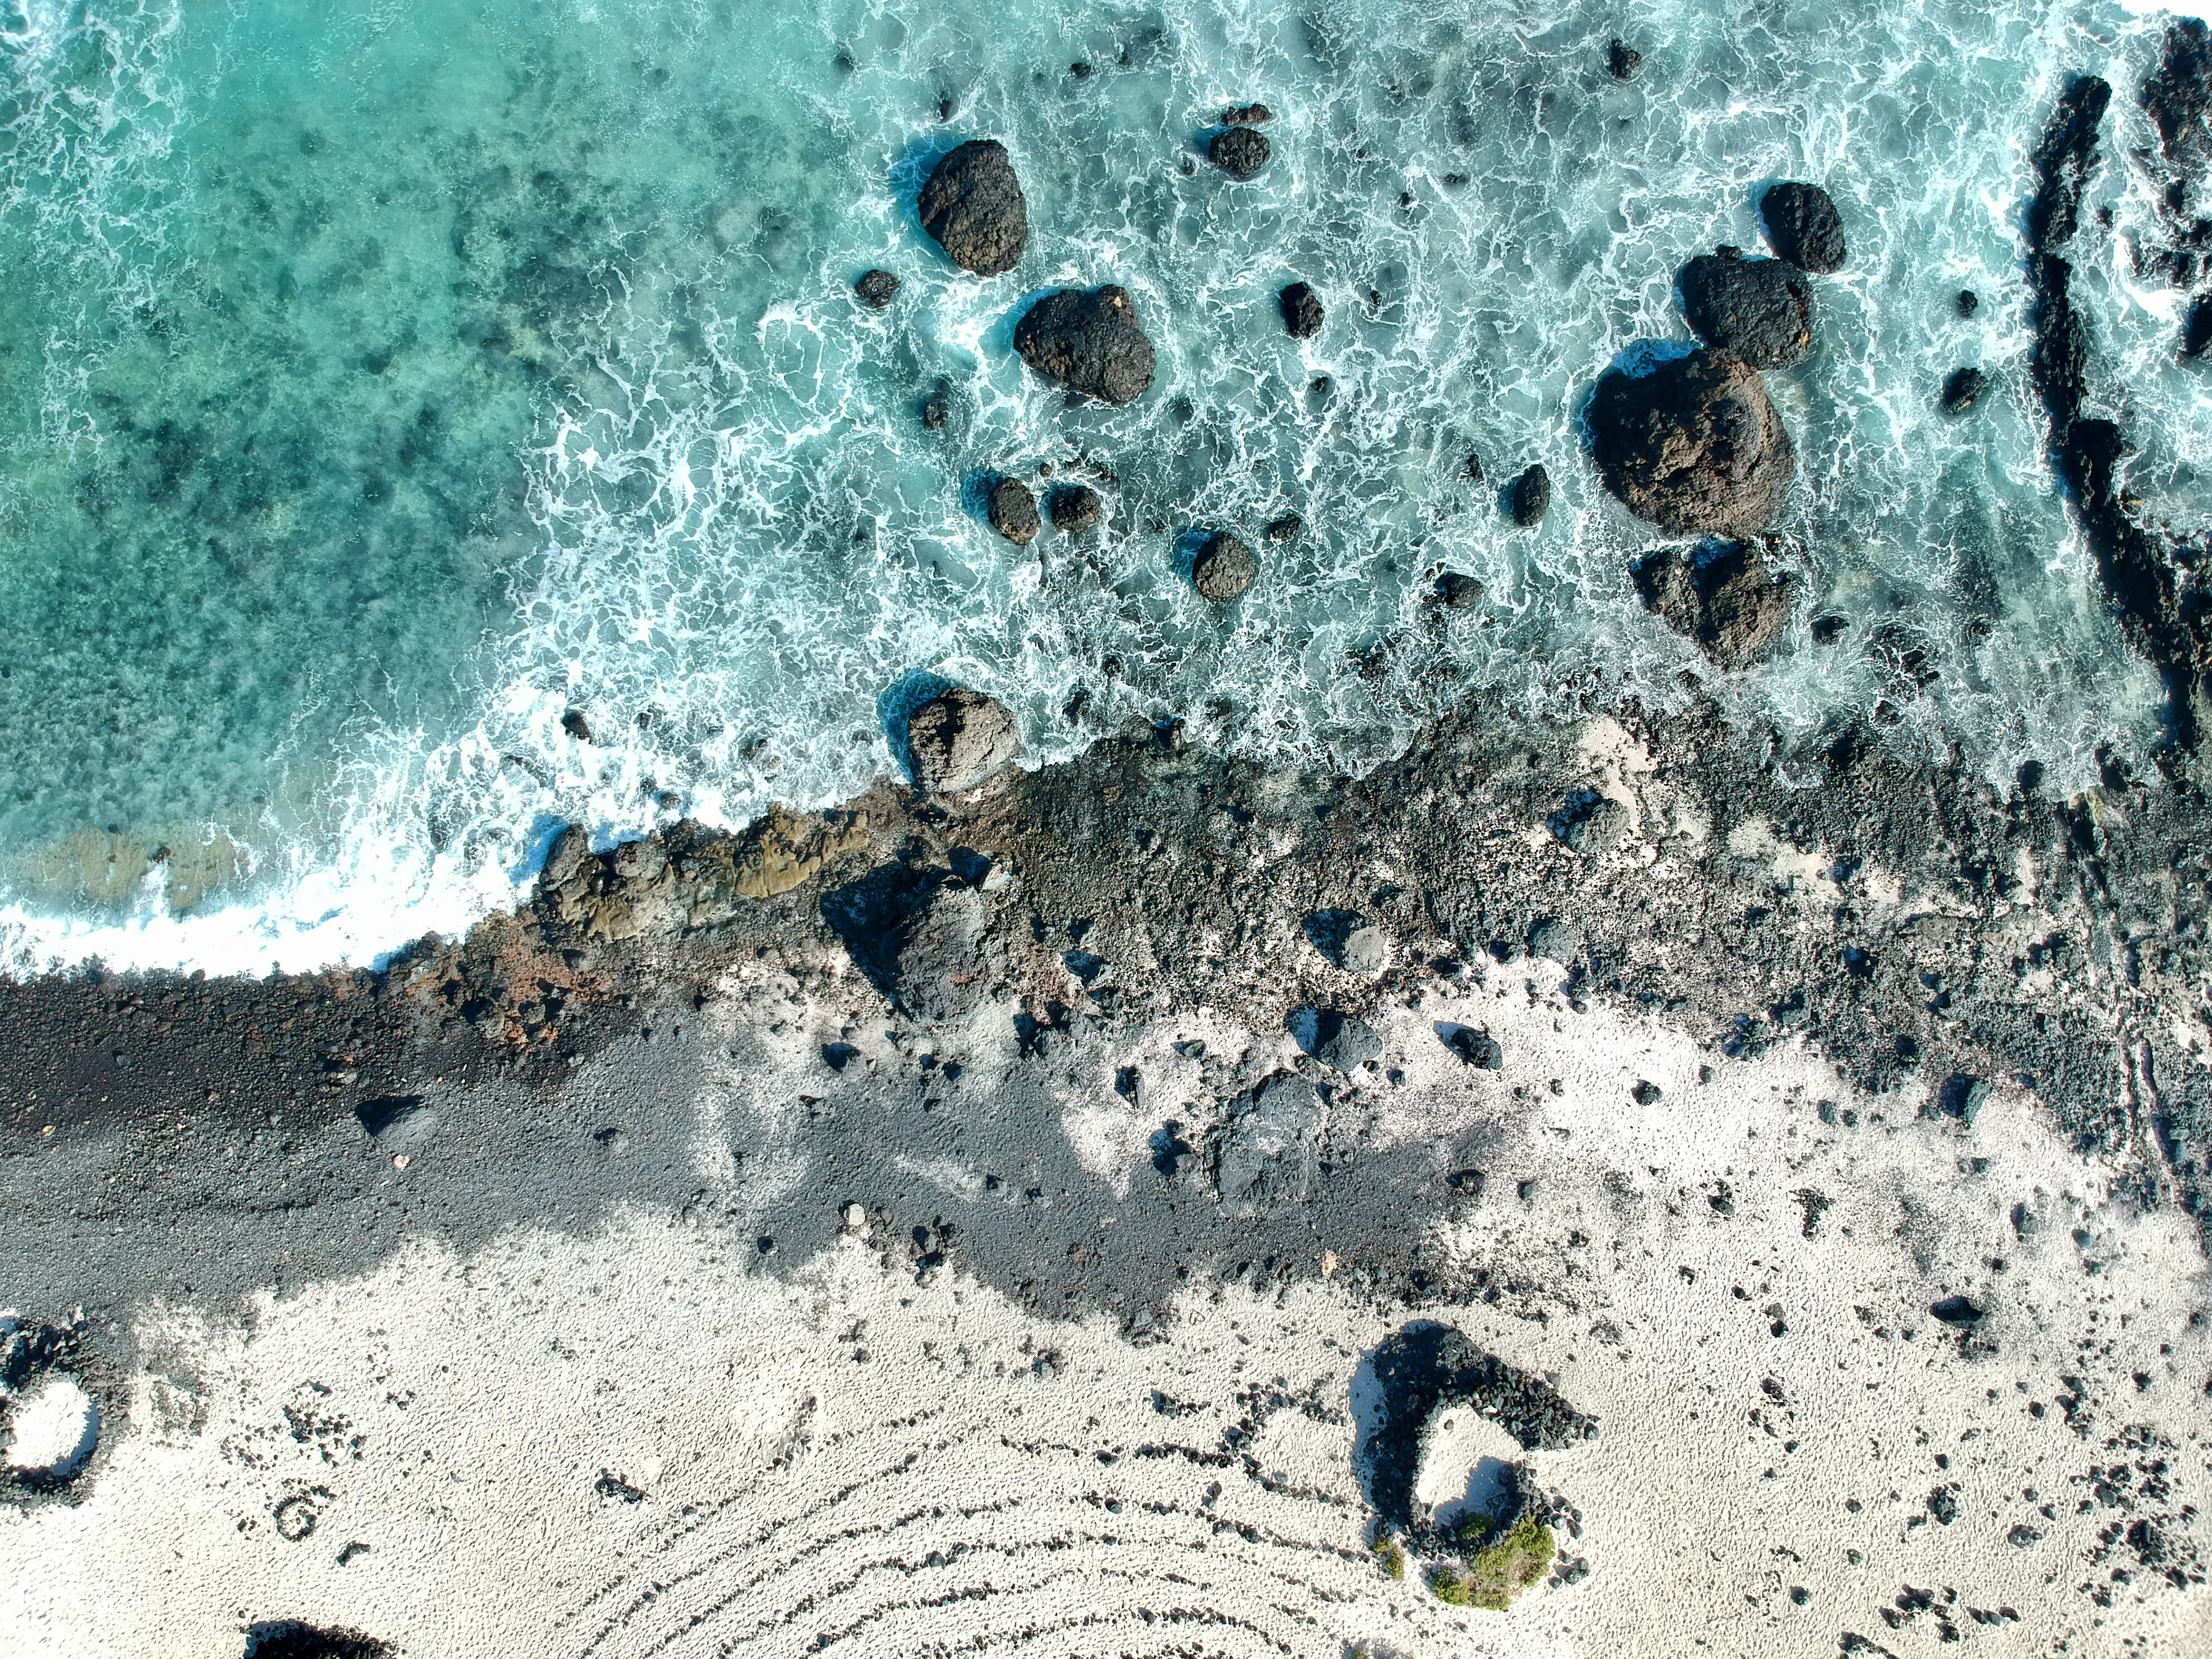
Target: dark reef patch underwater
{"type": "Point", "coordinates": [578, 419]}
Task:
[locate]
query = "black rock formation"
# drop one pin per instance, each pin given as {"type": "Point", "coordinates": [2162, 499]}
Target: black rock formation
{"type": "Point", "coordinates": [1240, 152]}
{"type": "Point", "coordinates": [1530, 496]}
{"type": "Point", "coordinates": [1013, 511]}
{"type": "Point", "coordinates": [1759, 309]}
{"type": "Point", "coordinates": [1089, 341]}
{"type": "Point", "coordinates": [1223, 568]}
{"type": "Point", "coordinates": [1622, 61]}
{"type": "Point", "coordinates": [957, 740]}
{"type": "Point", "coordinates": [1288, 528]}
{"type": "Point", "coordinates": [1968, 302]}
{"type": "Point", "coordinates": [1077, 508]}
{"type": "Point", "coordinates": [1723, 597]}
{"type": "Point", "coordinates": [876, 289]}
{"type": "Point", "coordinates": [1247, 115]}
{"type": "Point", "coordinates": [1302, 311]}
{"type": "Point", "coordinates": [292, 1638]}
{"type": "Point", "coordinates": [1962, 389]}
{"type": "Point", "coordinates": [1803, 227]}
{"type": "Point", "coordinates": [973, 205]}
{"type": "Point", "coordinates": [1693, 446]}
{"type": "Point", "coordinates": [1455, 592]}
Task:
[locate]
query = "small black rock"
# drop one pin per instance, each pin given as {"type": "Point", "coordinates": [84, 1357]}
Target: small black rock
{"type": "Point", "coordinates": [574, 723]}
{"type": "Point", "coordinates": [1240, 152]}
{"type": "Point", "coordinates": [1969, 302]}
{"type": "Point", "coordinates": [1223, 568]}
{"type": "Point", "coordinates": [1963, 390]}
{"type": "Point", "coordinates": [935, 411]}
{"type": "Point", "coordinates": [1531, 496]}
{"type": "Point", "coordinates": [1077, 508]}
{"type": "Point", "coordinates": [876, 289]}
{"type": "Point", "coordinates": [1302, 311]}
{"type": "Point", "coordinates": [1473, 467]}
{"type": "Point", "coordinates": [1475, 1048]}
{"type": "Point", "coordinates": [1622, 61]}
{"type": "Point", "coordinates": [1286, 528]}
{"type": "Point", "coordinates": [1455, 592]}
{"type": "Point", "coordinates": [1803, 227]}
{"type": "Point", "coordinates": [1080, 72]}
{"type": "Point", "coordinates": [1956, 1311]}
{"type": "Point", "coordinates": [1247, 115]}
{"type": "Point", "coordinates": [1013, 511]}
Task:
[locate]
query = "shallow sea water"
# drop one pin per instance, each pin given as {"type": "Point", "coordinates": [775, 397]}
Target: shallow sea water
{"type": "Point", "coordinates": [382, 384]}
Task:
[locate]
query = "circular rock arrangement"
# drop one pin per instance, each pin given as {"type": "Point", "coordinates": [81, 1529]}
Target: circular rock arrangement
{"type": "Point", "coordinates": [1089, 341]}
{"type": "Point", "coordinates": [959, 739]}
{"type": "Point", "coordinates": [1693, 444]}
{"type": "Point", "coordinates": [1239, 151]}
{"type": "Point", "coordinates": [1223, 568]}
{"type": "Point", "coordinates": [1803, 227]}
{"type": "Point", "coordinates": [1013, 511]}
{"type": "Point", "coordinates": [973, 205]}
{"type": "Point", "coordinates": [1302, 311]}
{"type": "Point", "coordinates": [1759, 309]}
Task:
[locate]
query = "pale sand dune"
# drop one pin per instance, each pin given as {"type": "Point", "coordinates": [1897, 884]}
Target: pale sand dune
{"type": "Point", "coordinates": [853, 1460]}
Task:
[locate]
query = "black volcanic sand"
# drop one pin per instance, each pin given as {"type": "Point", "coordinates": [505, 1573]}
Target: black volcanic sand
{"type": "Point", "coordinates": [192, 1139]}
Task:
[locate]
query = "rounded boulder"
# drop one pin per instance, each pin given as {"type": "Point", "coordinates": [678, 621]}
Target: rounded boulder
{"type": "Point", "coordinates": [974, 207]}
{"type": "Point", "coordinates": [1693, 444]}
{"type": "Point", "coordinates": [1089, 341]}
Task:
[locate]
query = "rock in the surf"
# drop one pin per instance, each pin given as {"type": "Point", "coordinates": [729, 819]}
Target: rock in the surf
{"type": "Point", "coordinates": [1723, 596]}
{"type": "Point", "coordinates": [1963, 389]}
{"type": "Point", "coordinates": [1622, 61]}
{"type": "Point", "coordinates": [1223, 568]}
{"type": "Point", "coordinates": [1013, 511]}
{"type": "Point", "coordinates": [973, 205]}
{"type": "Point", "coordinates": [1803, 227]}
{"type": "Point", "coordinates": [1456, 591]}
{"type": "Point", "coordinates": [1240, 152]}
{"type": "Point", "coordinates": [1759, 309]}
{"type": "Point", "coordinates": [1301, 310]}
{"type": "Point", "coordinates": [1530, 496]}
{"type": "Point", "coordinates": [1089, 341]}
{"type": "Point", "coordinates": [1077, 508]}
{"type": "Point", "coordinates": [1288, 528]}
{"type": "Point", "coordinates": [1247, 115]}
{"type": "Point", "coordinates": [876, 289]}
{"type": "Point", "coordinates": [959, 739]}
{"type": "Point", "coordinates": [1693, 444]}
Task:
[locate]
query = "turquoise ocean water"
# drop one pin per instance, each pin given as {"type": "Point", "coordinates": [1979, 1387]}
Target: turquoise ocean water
{"type": "Point", "coordinates": [381, 383]}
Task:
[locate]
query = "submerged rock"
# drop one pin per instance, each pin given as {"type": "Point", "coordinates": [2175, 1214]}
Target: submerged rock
{"type": "Point", "coordinates": [1013, 511]}
{"type": "Point", "coordinates": [1530, 497]}
{"type": "Point", "coordinates": [1302, 311]}
{"type": "Point", "coordinates": [1724, 598]}
{"type": "Point", "coordinates": [1803, 227]}
{"type": "Point", "coordinates": [1969, 302]}
{"type": "Point", "coordinates": [876, 289]}
{"type": "Point", "coordinates": [1622, 61]}
{"type": "Point", "coordinates": [1089, 341]}
{"type": "Point", "coordinates": [959, 740]}
{"type": "Point", "coordinates": [1240, 152]}
{"type": "Point", "coordinates": [1693, 446]}
{"type": "Point", "coordinates": [936, 410]}
{"type": "Point", "coordinates": [1077, 508]}
{"type": "Point", "coordinates": [1455, 592]}
{"type": "Point", "coordinates": [973, 205]}
{"type": "Point", "coordinates": [1759, 309]}
{"type": "Point", "coordinates": [1223, 568]}
{"type": "Point", "coordinates": [1962, 389]}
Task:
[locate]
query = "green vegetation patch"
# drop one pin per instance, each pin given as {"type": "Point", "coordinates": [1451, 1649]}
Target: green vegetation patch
{"type": "Point", "coordinates": [1392, 1555]}
{"type": "Point", "coordinates": [1496, 1575]}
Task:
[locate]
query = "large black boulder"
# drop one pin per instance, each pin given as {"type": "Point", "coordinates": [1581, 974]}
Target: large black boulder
{"type": "Point", "coordinates": [1077, 508]}
{"type": "Point", "coordinates": [1223, 568]}
{"type": "Point", "coordinates": [1693, 444]}
{"type": "Point", "coordinates": [1240, 152]}
{"type": "Point", "coordinates": [1803, 227]}
{"type": "Point", "coordinates": [974, 206]}
{"type": "Point", "coordinates": [1759, 309]}
{"type": "Point", "coordinates": [1530, 496]}
{"type": "Point", "coordinates": [1088, 340]}
{"type": "Point", "coordinates": [1723, 596]}
{"type": "Point", "coordinates": [1013, 511]}
{"type": "Point", "coordinates": [1301, 310]}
